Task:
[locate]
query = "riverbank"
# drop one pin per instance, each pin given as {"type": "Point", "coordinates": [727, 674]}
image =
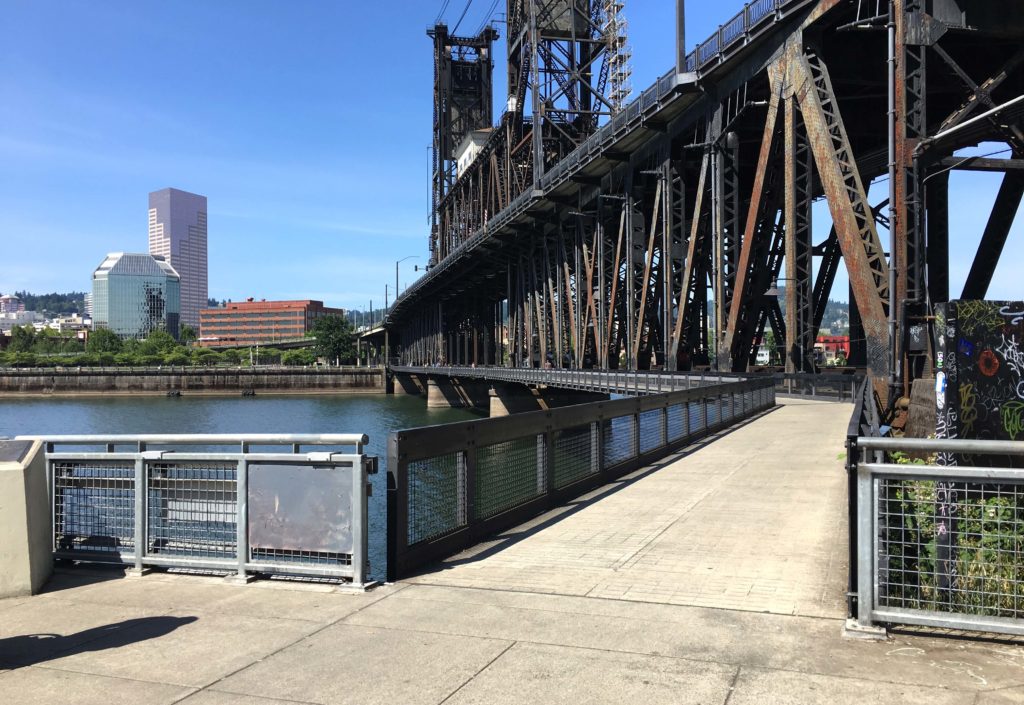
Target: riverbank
{"type": "Point", "coordinates": [189, 381]}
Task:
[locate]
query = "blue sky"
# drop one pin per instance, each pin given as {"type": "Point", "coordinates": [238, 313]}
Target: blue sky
{"type": "Point", "coordinates": [306, 124]}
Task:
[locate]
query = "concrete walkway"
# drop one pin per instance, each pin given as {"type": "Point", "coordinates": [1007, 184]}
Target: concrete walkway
{"type": "Point", "coordinates": [716, 579]}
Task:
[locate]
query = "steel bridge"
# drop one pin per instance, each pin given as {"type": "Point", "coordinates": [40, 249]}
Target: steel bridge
{"type": "Point", "coordinates": [673, 231]}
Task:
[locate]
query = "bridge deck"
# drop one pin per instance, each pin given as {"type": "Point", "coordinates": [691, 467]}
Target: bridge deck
{"type": "Point", "coordinates": [755, 520]}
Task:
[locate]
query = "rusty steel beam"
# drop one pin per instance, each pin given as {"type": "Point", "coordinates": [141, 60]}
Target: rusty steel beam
{"type": "Point", "coordinates": [840, 179]}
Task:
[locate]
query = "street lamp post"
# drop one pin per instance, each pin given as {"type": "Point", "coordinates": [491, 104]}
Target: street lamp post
{"type": "Point", "coordinates": [396, 272]}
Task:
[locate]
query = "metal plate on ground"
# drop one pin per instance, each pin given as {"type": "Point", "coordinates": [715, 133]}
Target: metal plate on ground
{"type": "Point", "coordinates": [300, 507]}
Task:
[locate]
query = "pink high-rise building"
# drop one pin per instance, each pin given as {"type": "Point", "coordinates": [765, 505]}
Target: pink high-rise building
{"type": "Point", "coordinates": [177, 232]}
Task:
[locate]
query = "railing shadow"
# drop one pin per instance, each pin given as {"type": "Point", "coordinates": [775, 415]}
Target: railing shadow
{"type": "Point", "coordinates": [31, 649]}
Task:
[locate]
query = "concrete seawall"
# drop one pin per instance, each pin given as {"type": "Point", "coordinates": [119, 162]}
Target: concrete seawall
{"type": "Point", "coordinates": [281, 380]}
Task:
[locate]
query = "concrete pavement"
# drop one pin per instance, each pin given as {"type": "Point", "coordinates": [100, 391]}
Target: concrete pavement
{"type": "Point", "coordinates": [716, 579]}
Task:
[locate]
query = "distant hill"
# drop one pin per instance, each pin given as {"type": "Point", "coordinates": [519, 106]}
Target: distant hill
{"type": "Point", "coordinates": [54, 303]}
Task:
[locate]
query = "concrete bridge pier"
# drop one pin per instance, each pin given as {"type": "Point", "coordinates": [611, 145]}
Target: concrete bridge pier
{"type": "Point", "coordinates": [406, 384]}
{"type": "Point", "coordinates": [454, 393]}
{"type": "Point", "coordinates": [510, 398]}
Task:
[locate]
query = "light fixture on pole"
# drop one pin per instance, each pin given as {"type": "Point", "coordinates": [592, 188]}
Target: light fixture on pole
{"type": "Point", "coordinates": [396, 272]}
{"type": "Point", "coordinates": [775, 290]}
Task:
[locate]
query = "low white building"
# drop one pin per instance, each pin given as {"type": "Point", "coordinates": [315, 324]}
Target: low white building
{"type": "Point", "coordinates": [19, 318]}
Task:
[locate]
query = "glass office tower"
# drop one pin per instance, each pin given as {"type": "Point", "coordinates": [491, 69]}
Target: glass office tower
{"type": "Point", "coordinates": [136, 294]}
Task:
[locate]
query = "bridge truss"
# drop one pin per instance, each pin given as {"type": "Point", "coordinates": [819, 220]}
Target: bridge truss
{"type": "Point", "coordinates": [676, 230]}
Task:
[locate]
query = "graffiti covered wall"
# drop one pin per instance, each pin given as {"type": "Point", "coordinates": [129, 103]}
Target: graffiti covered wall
{"type": "Point", "coordinates": [979, 379]}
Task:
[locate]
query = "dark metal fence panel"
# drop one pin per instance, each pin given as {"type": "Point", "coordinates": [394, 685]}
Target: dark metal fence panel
{"type": "Point", "coordinates": [449, 486]}
{"type": "Point", "coordinates": [509, 473]}
{"type": "Point", "coordinates": [437, 496]}
{"type": "Point", "coordinates": [575, 454]}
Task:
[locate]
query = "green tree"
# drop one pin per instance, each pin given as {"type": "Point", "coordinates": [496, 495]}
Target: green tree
{"type": "Point", "coordinates": [231, 356]}
{"type": "Point", "coordinates": [22, 339]}
{"type": "Point", "coordinates": [335, 339]}
{"type": "Point", "coordinates": [187, 334]}
{"type": "Point", "coordinates": [159, 342]}
{"type": "Point", "coordinates": [178, 357]}
{"type": "Point", "coordinates": [298, 357]}
{"type": "Point", "coordinates": [205, 356]}
{"type": "Point", "coordinates": [23, 359]}
{"type": "Point", "coordinates": [270, 356]}
{"type": "Point", "coordinates": [103, 340]}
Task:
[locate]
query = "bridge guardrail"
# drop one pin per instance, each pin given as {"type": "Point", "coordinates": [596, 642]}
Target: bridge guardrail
{"type": "Point", "coordinates": [841, 387]}
{"type": "Point", "coordinates": [451, 485]}
{"type": "Point", "coordinates": [142, 501]}
{"type": "Point", "coordinates": [608, 381]}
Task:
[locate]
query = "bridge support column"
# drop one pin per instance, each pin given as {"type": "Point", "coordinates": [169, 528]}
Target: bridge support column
{"type": "Point", "coordinates": [406, 384]}
{"type": "Point", "coordinates": [508, 399]}
{"type": "Point", "coordinates": [442, 394]}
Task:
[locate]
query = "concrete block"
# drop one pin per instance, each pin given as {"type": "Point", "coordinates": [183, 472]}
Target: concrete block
{"type": "Point", "coordinates": [26, 556]}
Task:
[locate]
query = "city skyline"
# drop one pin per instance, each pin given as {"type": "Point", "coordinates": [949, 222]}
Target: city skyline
{"type": "Point", "coordinates": [314, 194]}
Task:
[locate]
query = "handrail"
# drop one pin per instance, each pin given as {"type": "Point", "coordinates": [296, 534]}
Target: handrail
{"type": "Point", "coordinates": [614, 381]}
{"type": "Point", "coordinates": [295, 440]}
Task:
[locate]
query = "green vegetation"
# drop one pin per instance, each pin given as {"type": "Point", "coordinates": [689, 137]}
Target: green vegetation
{"type": "Point", "coordinates": [335, 339]}
{"type": "Point", "coordinates": [985, 545]}
{"type": "Point", "coordinates": [72, 302]}
{"type": "Point", "coordinates": [48, 348]}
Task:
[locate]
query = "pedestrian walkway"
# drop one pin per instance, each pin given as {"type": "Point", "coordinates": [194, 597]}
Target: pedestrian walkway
{"type": "Point", "coordinates": [753, 520]}
{"type": "Point", "coordinates": [716, 578]}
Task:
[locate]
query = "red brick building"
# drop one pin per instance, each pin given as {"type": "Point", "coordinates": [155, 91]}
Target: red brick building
{"type": "Point", "coordinates": [832, 345]}
{"type": "Point", "coordinates": [260, 322]}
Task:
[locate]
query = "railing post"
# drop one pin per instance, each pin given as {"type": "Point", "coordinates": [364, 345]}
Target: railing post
{"type": "Point", "coordinates": [359, 520]}
{"type": "Point", "coordinates": [242, 517]}
{"type": "Point", "coordinates": [865, 555]}
{"type": "Point", "coordinates": [664, 426]}
{"type": "Point", "coordinates": [140, 513]}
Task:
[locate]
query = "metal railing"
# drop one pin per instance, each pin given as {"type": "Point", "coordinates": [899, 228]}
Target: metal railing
{"type": "Point", "coordinates": [820, 386]}
{"type": "Point", "coordinates": [451, 485]}
{"type": "Point", "coordinates": [260, 503]}
{"type": "Point", "coordinates": [608, 381]}
{"type": "Point", "coordinates": [937, 545]}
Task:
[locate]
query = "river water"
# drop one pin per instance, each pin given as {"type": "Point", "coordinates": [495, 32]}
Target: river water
{"type": "Point", "coordinates": [373, 414]}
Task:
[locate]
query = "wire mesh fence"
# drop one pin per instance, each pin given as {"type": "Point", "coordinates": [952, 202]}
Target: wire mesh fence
{"type": "Point", "coordinates": [94, 507]}
{"type": "Point", "coordinates": [951, 547]}
{"type": "Point", "coordinates": [509, 473]}
{"type": "Point", "coordinates": [288, 513]}
{"type": "Point", "coordinates": [437, 496]}
{"type": "Point", "coordinates": [575, 454]}
{"type": "Point", "coordinates": [936, 545]}
{"type": "Point", "coordinates": [191, 509]}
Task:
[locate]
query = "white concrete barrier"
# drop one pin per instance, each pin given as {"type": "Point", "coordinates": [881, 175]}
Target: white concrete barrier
{"type": "Point", "coordinates": [26, 556]}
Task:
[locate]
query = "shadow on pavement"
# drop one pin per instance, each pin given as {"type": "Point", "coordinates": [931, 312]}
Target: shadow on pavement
{"type": "Point", "coordinates": [31, 649]}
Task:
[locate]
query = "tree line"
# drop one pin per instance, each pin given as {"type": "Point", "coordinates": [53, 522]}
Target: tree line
{"type": "Point", "coordinates": [335, 344]}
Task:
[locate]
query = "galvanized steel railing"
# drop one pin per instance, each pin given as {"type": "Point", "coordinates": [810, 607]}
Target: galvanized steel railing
{"type": "Point", "coordinates": [607, 381]}
{"type": "Point", "coordinates": [938, 545]}
{"type": "Point", "coordinates": [821, 386]}
{"type": "Point", "coordinates": [147, 500]}
{"type": "Point", "coordinates": [449, 486]}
